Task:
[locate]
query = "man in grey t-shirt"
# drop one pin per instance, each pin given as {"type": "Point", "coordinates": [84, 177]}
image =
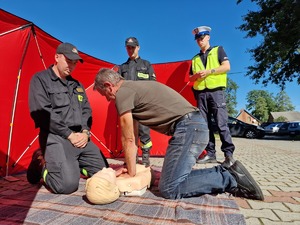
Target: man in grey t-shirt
{"type": "Point", "coordinates": [167, 112]}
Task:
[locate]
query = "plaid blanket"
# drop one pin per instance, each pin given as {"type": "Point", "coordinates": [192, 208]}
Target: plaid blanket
{"type": "Point", "coordinates": [22, 203]}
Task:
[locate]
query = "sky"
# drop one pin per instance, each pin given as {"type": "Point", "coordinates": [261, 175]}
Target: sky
{"type": "Point", "coordinates": [163, 27]}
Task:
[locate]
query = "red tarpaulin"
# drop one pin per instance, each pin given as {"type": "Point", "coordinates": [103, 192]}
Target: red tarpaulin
{"type": "Point", "coordinates": [26, 49]}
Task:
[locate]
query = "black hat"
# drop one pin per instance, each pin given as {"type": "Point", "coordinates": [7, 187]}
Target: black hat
{"type": "Point", "coordinates": [69, 50]}
{"type": "Point", "coordinates": [131, 41]}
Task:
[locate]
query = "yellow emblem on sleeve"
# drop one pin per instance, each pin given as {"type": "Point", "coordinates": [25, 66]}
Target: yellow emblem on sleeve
{"type": "Point", "coordinates": [80, 98]}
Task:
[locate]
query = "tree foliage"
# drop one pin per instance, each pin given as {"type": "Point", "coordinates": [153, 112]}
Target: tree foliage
{"type": "Point", "coordinates": [283, 102]}
{"type": "Point", "coordinates": [231, 101]}
{"type": "Point", "coordinates": [261, 103]}
{"type": "Point", "coordinates": [277, 57]}
{"type": "Point", "coordinates": [281, 119]}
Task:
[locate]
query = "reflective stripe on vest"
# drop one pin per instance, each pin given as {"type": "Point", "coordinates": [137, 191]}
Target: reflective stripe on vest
{"type": "Point", "coordinates": [213, 80]}
{"type": "Point", "coordinates": [143, 75]}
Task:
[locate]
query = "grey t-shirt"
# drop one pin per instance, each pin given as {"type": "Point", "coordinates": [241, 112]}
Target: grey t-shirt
{"type": "Point", "coordinates": [153, 104]}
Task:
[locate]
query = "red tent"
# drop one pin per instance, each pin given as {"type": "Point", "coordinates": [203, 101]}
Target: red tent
{"type": "Point", "coordinates": [26, 49]}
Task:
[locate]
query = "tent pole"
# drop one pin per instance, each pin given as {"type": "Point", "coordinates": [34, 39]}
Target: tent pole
{"type": "Point", "coordinates": [14, 103]}
{"type": "Point", "coordinates": [41, 57]}
{"type": "Point", "coordinates": [19, 28]}
{"type": "Point", "coordinates": [25, 151]}
{"type": "Point", "coordinates": [184, 87]}
{"type": "Point", "coordinates": [38, 46]}
{"type": "Point", "coordinates": [111, 152]}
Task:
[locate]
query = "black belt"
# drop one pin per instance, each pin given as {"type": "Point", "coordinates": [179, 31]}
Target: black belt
{"type": "Point", "coordinates": [211, 90]}
{"type": "Point", "coordinates": [187, 116]}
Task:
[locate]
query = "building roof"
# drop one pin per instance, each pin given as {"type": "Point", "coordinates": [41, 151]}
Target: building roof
{"type": "Point", "coordinates": [289, 115]}
{"type": "Point", "coordinates": [244, 110]}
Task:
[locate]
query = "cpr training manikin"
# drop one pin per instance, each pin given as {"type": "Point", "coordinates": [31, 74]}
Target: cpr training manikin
{"type": "Point", "coordinates": [104, 187]}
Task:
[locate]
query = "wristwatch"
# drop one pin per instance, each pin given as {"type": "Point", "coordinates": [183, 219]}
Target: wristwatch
{"type": "Point", "coordinates": [87, 132]}
{"type": "Point", "coordinates": [212, 71]}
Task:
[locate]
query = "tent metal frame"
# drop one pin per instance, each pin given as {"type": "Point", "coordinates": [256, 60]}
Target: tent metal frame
{"type": "Point", "coordinates": [14, 106]}
{"type": "Point", "coordinates": [16, 92]}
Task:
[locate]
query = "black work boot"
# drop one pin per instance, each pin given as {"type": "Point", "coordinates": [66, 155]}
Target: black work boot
{"type": "Point", "coordinates": [228, 162]}
{"type": "Point", "coordinates": [146, 156]}
{"type": "Point", "coordinates": [34, 171]}
{"type": "Point", "coordinates": [246, 185]}
{"type": "Point", "coordinates": [207, 159]}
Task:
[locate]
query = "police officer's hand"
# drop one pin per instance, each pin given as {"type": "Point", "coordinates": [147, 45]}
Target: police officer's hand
{"type": "Point", "coordinates": [79, 140]}
{"type": "Point", "coordinates": [203, 73]}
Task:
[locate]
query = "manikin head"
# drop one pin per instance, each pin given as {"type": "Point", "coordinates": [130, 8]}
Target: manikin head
{"type": "Point", "coordinates": [101, 188]}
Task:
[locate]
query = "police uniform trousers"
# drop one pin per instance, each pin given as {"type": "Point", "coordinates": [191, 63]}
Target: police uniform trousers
{"type": "Point", "coordinates": [212, 105]}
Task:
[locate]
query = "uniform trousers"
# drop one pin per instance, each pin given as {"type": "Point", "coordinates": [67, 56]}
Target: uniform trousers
{"type": "Point", "coordinates": [144, 134]}
{"type": "Point", "coordinates": [212, 105]}
{"type": "Point", "coordinates": [64, 162]}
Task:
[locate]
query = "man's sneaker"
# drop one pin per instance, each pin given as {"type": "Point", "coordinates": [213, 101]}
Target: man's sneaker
{"type": "Point", "coordinates": [207, 159]}
{"type": "Point", "coordinates": [34, 171]}
{"type": "Point", "coordinates": [246, 185]}
{"type": "Point", "coordinates": [228, 162]}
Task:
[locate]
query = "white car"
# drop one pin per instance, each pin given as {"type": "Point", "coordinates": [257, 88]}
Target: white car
{"type": "Point", "coordinates": [272, 128]}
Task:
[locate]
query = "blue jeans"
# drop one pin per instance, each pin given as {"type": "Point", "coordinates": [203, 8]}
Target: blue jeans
{"type": "Point", "coordinates": [178, 179]}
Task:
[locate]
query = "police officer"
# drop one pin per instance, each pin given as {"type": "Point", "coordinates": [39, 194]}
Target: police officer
{"type": "Point", "coordinates": [60, 108]}
{"type": "Point", "coordinates": [208, 72]}
{"type": "Point", "coordinates": [136, 69]}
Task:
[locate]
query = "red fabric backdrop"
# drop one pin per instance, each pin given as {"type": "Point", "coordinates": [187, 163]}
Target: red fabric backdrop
{"type": "Point", "coordinates": [26, 49]}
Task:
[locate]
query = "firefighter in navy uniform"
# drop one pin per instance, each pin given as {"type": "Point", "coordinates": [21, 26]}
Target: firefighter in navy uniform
{"type": "Point", "coordinates": [137, 69]}
{"type": "Point", "coordinates": [60, 109]}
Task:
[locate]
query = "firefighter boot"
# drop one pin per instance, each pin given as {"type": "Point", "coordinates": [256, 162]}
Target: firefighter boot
{"type": "Point", "coordinates": [145, 156]}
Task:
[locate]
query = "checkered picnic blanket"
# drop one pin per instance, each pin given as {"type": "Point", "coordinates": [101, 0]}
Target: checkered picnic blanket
{"type": "Point", "coordinates": [22, 203]}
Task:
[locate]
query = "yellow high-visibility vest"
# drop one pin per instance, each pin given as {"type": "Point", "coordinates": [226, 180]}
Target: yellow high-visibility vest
{"type": "Point", "coordinates": [213, 80]}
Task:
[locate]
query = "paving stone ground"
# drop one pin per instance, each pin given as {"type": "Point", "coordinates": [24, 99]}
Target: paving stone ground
{"type": "Point", "coordinates": [275, 165]}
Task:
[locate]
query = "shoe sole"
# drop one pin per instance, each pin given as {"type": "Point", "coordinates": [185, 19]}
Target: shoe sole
{"type": "Point", "coordinates": [207, 161]}
{"type": "Point", "coordinates": [242, 171]}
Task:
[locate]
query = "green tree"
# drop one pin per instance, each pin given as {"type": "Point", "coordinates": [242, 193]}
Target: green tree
{"type": "Point", "coordinates": [260, 104]}
{"type": "Point", "coordinates": [281, 119]}
{"type": "Point", "coordinates": [277, 57]}
{"type": "Point", "coordinates": [261, 109]}
{"type": "Point", "coordinates": [283, 102]}
{"type": "Point", "coordinates": [231, 101]}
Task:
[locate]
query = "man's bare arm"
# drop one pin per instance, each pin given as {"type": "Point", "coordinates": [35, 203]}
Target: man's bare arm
{"type": "Point", "coordinates": [129, 142]}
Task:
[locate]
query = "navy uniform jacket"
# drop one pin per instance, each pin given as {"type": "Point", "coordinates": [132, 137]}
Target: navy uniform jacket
{"type": "Point", "coordinates": [138, 69]}
{"type": "Point", "coordinates": [58, 106]}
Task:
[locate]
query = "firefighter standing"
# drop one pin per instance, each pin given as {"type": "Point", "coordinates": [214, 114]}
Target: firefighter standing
{"type": "Point", "coordinates": [137, 69]}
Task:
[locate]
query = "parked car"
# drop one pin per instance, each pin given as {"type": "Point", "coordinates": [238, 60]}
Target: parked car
{"type": "Point", "coordinates": [294, 128]}
{"type": "Point", "coordinates": [273, 128]}
{"type": "Point", "coordinates": [289, 128]}
{"type": "Point", "coordinates": [283, 130]}
{"type": "Point", "coordinates": [240, 129]}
